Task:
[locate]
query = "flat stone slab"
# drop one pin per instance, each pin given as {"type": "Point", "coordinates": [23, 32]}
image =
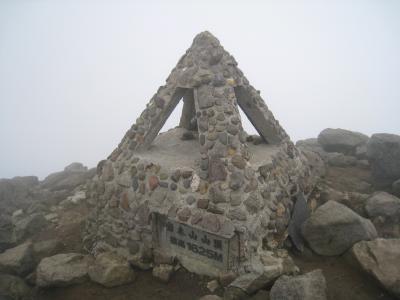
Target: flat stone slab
{"type": "Point", "coordinates": [184, 240]}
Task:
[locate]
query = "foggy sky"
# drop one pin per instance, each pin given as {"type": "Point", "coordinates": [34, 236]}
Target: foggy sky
{"type": "Point", "coordinates": [75, 75]}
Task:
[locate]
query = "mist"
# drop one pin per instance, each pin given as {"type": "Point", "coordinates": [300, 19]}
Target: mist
{"type": "Point", "coordinates": [75, 75]}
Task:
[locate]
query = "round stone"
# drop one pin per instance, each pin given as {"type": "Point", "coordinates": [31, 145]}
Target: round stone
{"type": "Point", "coordinates": [238, 161]}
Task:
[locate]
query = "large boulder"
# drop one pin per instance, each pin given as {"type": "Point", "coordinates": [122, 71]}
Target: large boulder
{"type": "Point", "coordinates": [334, 228]}
{"type": "Point", "coordinates": [310, 286]}
{"type": "Point", "coordinates": [12, 287]}
{"type": "Point", "coordinates": [382, 204]}
{"type": "Point", "coordinates": [341, 140]}
{"type": "Point", "coordinates": [73, 175]}
{"type": "Point", "coordinates": [18, 260]}
{"type": "Point", "coordinates": [381, 259]}
{"type": "Point", "coordinates": [46, 248]}
{"type": "Point", "coordinates": [16, 193]}
{"type": "Point", "coordinates": [29, 225]}
{"type": "Point", "coordinates": [110, 269]}
{"type": "Point", "coordinates": [63, 270]}
{"type": "Point", "coordinates": [383, 151]}
{"type": "Point", "coordinates": [6, 232]}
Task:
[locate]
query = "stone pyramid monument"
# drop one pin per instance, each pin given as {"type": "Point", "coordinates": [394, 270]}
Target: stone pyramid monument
{"type": "Point", "coordinates": [205, 193]}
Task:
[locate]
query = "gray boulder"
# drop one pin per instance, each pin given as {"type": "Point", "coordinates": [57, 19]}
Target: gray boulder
{"type": "Point", "coordinates": [396, 188]}
{"type": "Point", "coordinates": [382, 204]}
{"type": "Point", "coordinates": [311, 145]}
{"type": "Point", "coordinates": [6, 232]}
{"type": "Point", "coordinates": [63, 270]}
{"type": "Point", "coordinates": [383, 152]}
{"type": "Point", "coordinates": [334, 228]}
{"type": "Point", "coordinates": [12, 287]}
{"type": "Point", "coordinates": [381, 259]}
{"type": "Point", "coordinates": [336, 159]}
{"type": "Point", "coordinates": [109, 269]}
{"type": "Point", "coordinates": [75, 167]}
{"type": "Point", "coordinates": [16, 193]}
{"type": "Point", "coordinates": [341, 140]}
{"type": "Point", "coordinates": [29, 225]}
{"type": "Point", "coordinates": [18, 260]}
{"type": "Point", "coordinates": [310, 286]}
{"type": "Point", "coordinates": [73, 175]}
{"type": "Point", "coordinates": [46, 248]}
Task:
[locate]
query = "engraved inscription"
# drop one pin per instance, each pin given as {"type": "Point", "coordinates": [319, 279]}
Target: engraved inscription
{"type": "Point", "coordinates": [190, 241]}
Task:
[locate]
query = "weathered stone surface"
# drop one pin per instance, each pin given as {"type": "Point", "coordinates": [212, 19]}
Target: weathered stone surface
{"type": "Point", "coordinates": [12, 287]}
{"type": "Point", "coordinates": [62, 270]}
{"type": "Point", "coordinates": [184, 214]}
{"type": "Point", "coordinates": [110, 269]}
{"type": "Point", "coordinates": [341, 140]}
{"type": "Point", "coordinates": [46, 248]}
{"type": "Point", "coordinates": [383, 151]}
{"type": "Point", "coordinates": [236, 180]}
{"type": "Point", "coordinates": [210, 222]}
{"type": "Point", "coordinates": [310, 286]}
{"type": "Point", "coordinates": [269, 269]}
{"type": "Point", "coordinates": [238, 161]}
{"type": "Point", "coordinates": [18, 260]}
{"type": "Point", "coordinates": [396, 188]}
{"type": "Point", "coordinates": [217, 170]}
{"type": "Point", "coordinates": [299, 216]}
{"type": "Point", "coordinates": [381, 259]}
{"type": "Point", "coordinates": [29, 225]}
{"type": "Point", "coordinates": [217, 195]}
{"type": "Point", "coordinates": [163, 272]}
{"type": "Point", "coordinates": [72, 176]}
{"type": "Point", "coordinates": [382, 204]}
{"type": "Point", "coordinates": [334, 228]}
{"type": "Point", "coordinates": [340, 160]}
{"type": "Point", "coordinates": [7, 238]}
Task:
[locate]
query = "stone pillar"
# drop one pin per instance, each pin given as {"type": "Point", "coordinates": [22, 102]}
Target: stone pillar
{"type": "Point", "coordinates": [188, 112]}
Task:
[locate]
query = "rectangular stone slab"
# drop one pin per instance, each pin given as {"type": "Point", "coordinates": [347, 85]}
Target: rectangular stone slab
{"type": "Point", "coordinates": [190, 243]}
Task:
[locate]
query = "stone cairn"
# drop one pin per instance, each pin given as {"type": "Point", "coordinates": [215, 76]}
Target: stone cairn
{"type": "Point", "coordinates": [224, 195]}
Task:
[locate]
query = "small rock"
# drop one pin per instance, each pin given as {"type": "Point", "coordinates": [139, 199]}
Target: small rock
{"type": "Point", "coordinates": [110, 270]}
{"type": "Point", "coordinates": [310, 286]}
{"type": "Point", "coordinates": [153, 182]}
{"type": "Point", "coordinates": [163, 272]}
{"type": "Point", "coordinates": [212, 285]}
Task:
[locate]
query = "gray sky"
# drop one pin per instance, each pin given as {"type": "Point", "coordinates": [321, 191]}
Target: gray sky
{"type": "Point", "coordinates": [74, 75]}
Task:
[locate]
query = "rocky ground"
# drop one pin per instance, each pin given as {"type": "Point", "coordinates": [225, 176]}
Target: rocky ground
{"type": "Point", "coordinates": [349, 247]}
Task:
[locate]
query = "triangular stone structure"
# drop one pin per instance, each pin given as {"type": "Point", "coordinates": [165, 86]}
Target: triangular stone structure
{"type": "Point", "coordinates": [218, 213]}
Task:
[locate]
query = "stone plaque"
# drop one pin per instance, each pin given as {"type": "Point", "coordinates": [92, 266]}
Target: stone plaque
{"type": "Point", "coordinates": [185, 240]}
